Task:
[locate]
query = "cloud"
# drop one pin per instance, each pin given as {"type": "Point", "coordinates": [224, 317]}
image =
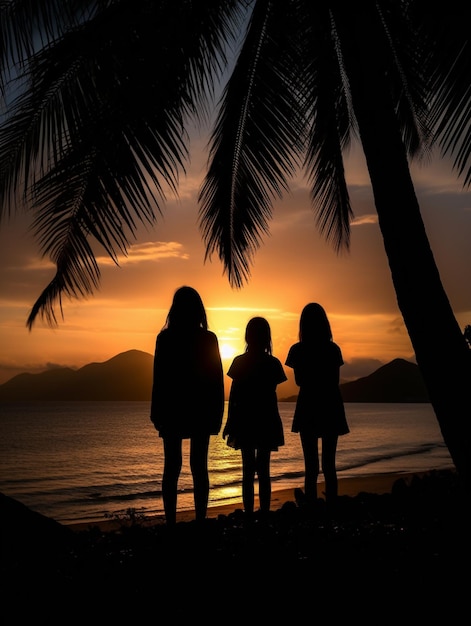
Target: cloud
{"type": "Point", "coordinates": [364, 219]}
{"type": "Point", "coordinates": [36, 264]}
{"type": "Point", "coordinates": [150, 251]}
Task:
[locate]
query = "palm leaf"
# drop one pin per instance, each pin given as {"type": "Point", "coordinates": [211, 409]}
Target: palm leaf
{"type": "Point", "coordinates": [328, 113]}
{"type": "Point", "coordinates": [447, 36]}
{"type": "Point", "coordinates": [26, 25]}
{"type": "Point", "coordinates": [255, 144]}
{"type": "Point", "coordinates": [91, 144]}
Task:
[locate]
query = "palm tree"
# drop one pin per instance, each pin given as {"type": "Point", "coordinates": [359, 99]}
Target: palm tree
{"type": "Point", "coordinates": [100, 124]}
{"type": "Point", "coordinates": [305, 82]}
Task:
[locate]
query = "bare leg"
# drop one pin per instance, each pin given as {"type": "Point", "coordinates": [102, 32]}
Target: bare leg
{"type": "Point", "coordinates": [329, 451]}
{"type": "Point", "coordinates": [199, 470]}
{"type": "Point", "coordinates": [248, 477]}
{"type": "Point", "coordinates": [172, 469]}
{"type": "Point", "coordinates": [311, 466]}
{"type": "Point", "coordinates": [264, 479]}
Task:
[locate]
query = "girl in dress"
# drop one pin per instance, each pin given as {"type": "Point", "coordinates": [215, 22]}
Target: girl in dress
{"type": "Point", "coordinates": [319, 412]}
{"type": "Point", "coordinates": [187, 396]}
{"type": "Point", "coordinates": [254, 424]}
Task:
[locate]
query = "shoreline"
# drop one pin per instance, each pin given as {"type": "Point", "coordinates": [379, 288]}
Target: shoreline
{"type": "Point", "coordinates": [348, 486]}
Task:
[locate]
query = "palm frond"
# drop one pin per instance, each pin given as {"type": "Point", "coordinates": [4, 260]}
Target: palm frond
{"type": "Point", "coordinates": [447, 36]}
{"type": "Point", "coordinates": [77, 275]}
{"type": "Point", "coordinates": [329, 115]}
{"type": "Point", "coordinates": [329, 193]}
{"type": "Point", "coordinates": [102, 127]}
{"type": "Point", "coordinates": [255, 144]}
{"type": "Point", "coordinates": [27, 25]}
{"type": "Point", "coordinates": [402, 55]}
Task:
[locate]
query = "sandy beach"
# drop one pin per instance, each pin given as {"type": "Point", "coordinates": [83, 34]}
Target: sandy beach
{"type": "Point", "coordinates": [375, 483]}
{"type": "Point", "coordinates": [396, 548]}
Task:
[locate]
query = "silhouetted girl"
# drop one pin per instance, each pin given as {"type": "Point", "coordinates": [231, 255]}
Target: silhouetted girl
{"type": "Point", "coordinates": [319, 411]}
{"type": "Point", "coordinates": [254, 424]}
{"type": "Point", "coordinates": [187, 396]}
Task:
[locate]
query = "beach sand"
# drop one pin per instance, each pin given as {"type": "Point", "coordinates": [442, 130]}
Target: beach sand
{"type": "Point", "coordinates": [352, 486]}
{"type": "Point", "coordinates": [394, 550]}
{"type": "Point", "coordinates": [377, 483]}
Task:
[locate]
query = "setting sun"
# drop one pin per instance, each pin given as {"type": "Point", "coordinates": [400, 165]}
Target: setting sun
{"type": "Point", "coordinates": [227, 351]}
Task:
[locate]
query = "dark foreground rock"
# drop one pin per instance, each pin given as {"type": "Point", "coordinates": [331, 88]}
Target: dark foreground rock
{"type": "Point", "coordinates": [382, 559]}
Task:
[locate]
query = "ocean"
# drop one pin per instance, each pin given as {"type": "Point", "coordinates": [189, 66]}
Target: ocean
{"type": "Point", "coordinates": [88, 461]}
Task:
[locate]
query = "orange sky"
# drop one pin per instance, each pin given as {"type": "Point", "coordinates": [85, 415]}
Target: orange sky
{"type": "Point", "coordinates": [294, 266]}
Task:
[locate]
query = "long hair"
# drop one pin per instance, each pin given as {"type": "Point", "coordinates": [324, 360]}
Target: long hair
{"type": "Point", "coordinates": [314, 325]}
{"type": "Point", "coordinates": [187, 310]}
{"type": "Point", "coordinates": [258, 335]}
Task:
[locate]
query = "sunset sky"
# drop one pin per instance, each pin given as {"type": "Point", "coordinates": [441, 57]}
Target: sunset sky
{"type": "Point", "coordinates": [294, 266]}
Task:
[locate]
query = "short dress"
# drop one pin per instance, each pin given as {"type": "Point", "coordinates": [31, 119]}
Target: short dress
{"type": "Point", "coordinates": [253, 418]}
{"type": "Point", "coordinates": [319, 408]}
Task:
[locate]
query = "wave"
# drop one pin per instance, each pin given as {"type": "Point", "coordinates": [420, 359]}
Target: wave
{"type": "Point", "coordinates": [288, 477]}
{"type": "Point", "coordinates": [390, 455]}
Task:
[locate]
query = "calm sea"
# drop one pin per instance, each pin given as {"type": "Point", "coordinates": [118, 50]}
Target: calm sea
{"type": "Point", "coordinates": [84, 461]}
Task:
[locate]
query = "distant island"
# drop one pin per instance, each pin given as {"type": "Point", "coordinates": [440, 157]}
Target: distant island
{"type": "Point", "coordinates": [128, 377]}
{"type": "Point", "coordinates": [397, 381]}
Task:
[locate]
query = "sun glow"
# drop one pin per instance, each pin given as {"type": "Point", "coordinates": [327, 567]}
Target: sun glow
{"type": "Point", "coordinates": [227, 351]}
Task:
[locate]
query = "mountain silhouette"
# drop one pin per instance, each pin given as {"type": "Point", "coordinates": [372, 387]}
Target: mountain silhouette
{"type": "Point", "coordinates": [397, 381]}
{"type": "Point", "coordinates": [128, 376]}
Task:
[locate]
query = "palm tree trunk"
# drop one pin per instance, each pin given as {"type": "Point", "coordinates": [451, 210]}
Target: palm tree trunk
{"type": "Point", "coordinates": [440, 347]}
